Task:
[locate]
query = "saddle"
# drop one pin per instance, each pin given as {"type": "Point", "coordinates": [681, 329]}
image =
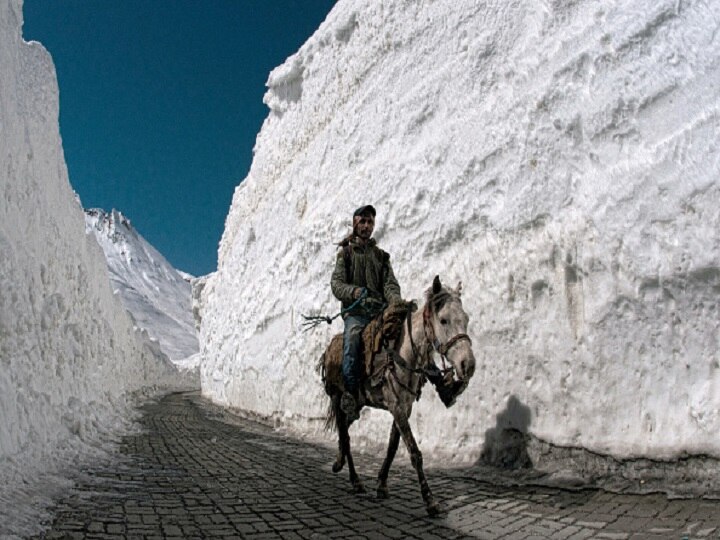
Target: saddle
{"type": "Point", "coordinates": [377, 336]}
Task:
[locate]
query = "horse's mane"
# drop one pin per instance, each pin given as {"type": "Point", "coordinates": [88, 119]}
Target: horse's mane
{"type": "Point", "coordinates": [437, 300]}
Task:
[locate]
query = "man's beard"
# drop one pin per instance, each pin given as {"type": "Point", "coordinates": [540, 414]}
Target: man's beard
{"type": "Point", "coordinates": [356, 232]}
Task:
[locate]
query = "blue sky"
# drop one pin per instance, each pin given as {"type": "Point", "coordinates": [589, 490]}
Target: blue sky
{"type": "Point", "coordinates": [160, 104]}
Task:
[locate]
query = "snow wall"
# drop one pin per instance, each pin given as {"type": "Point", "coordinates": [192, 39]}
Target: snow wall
{"type": "Point", "coordinates": [69, 354]}
{"type": "Point", "coordinates": [560, 158]}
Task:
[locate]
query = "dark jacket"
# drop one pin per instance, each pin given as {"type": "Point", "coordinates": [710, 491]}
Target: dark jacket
{"type": "Point", "coordinates": [370, 268]}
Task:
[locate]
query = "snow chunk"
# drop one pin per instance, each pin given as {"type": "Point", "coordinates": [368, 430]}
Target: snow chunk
{"type": "Point", "coordinates": [285, 85]}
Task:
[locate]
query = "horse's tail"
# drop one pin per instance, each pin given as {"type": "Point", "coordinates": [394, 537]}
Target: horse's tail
{"type": "Point", "coordinates": [330, 419]}
{"type": "Point", "coordinates": [321, 368]}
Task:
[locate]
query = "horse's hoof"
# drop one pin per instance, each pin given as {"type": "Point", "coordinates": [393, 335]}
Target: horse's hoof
{"type": "Point", "coordinates": [382, 493]}
{"type": "Point", "coordinates": [358, 487]}
{"type": "Point", "coordinates": [337, 467]}
{"type": "Point", "coordinates": [433, 509]}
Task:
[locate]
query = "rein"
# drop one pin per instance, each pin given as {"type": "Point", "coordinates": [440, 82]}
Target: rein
{"type": "Point", "coordinates": [399, 361]}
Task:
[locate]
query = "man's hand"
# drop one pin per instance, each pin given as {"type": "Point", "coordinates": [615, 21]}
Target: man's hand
{"type": "Point", "coordinates": [357, 292]}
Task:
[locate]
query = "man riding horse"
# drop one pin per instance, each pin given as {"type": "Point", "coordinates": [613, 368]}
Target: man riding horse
{"type": "Point", "coordinates": [400, 346]}
{"type": "Point", "coordinates": [363, 280]}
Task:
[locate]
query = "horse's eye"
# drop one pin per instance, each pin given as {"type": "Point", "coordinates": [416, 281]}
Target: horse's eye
{"type": "Point", "coordinates": [443, 321]}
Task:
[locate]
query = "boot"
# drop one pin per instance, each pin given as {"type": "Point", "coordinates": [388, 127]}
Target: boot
{"type": "Point", "coordinates": [433, 374]}
{"type": "Point", "coordinates": [448, 392]}
{"type": "Point", "coordinates": [445, 386]}
{"type": "Point", "coordinates": [348, 405]}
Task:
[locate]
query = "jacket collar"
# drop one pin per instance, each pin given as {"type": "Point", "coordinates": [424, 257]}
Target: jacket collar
{"type": "Point", "coordinates": [356, 244]}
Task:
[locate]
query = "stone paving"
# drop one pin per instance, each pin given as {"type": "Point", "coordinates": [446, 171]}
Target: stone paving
{"type": "Point", "coordinates": [191, 475]}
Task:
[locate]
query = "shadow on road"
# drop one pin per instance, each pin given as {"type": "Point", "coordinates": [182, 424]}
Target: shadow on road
{"type": "Point", "coordinates": [506, 444]}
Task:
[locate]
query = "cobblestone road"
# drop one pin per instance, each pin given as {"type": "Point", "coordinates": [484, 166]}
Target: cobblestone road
{"type": "Point", "coordinates": [191, 475]}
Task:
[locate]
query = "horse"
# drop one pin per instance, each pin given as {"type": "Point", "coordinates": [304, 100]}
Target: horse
{"type": "Point", "coordinates": [440, 327]}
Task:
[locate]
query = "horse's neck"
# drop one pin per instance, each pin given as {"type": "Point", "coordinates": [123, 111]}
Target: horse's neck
{"type": "Point", "coordinates": [414, 358]}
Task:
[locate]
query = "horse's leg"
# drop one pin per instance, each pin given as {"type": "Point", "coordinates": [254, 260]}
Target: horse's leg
{"type": "Point", "coordinates": [340, 459]}
{"type": "Point", "coordinates": [345, 450]}
{"type": "Point", "coordinates": [382, 490]}
{"type": "Point", "coordinates": [401, 420]}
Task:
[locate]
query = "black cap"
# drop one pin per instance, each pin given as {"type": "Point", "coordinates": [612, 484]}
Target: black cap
{"type": "Point", "coordinates": [367, 209]}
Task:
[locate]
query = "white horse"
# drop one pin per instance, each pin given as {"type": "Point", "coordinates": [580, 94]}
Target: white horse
{"type": "Point", "coordinates": [440, 327]}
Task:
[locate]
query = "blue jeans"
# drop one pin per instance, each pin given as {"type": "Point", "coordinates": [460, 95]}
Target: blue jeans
{"type": "Point", "coordinates": [352, 346]}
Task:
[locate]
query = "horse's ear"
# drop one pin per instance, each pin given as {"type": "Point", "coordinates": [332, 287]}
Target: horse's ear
{"type": "Point", "coordinates": [437, 287]}
{"type": "Point", "coordinates": [459, 288]}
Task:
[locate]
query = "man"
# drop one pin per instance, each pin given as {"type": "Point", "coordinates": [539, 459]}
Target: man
{"type": "Point", "coordinates": [363, 280]}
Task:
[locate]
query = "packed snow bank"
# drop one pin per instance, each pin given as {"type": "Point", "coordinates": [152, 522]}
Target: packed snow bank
{"type": "Point", "coordinates": [69, 354]}
{"type": "Point", "coordinates": [560, 158]}
{"type": "Point", "coordinates": [157, 296]}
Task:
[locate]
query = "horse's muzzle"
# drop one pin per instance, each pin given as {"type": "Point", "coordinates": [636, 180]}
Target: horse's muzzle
{"type": "Point", "coordinates": [467, 368]}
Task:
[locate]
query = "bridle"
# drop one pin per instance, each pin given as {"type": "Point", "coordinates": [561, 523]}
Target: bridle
{"type": "Point", "coordinates": [441, 348]}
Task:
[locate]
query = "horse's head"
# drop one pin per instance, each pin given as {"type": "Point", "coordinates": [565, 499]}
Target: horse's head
{"type": "Point", "coordinates": [446, 325]}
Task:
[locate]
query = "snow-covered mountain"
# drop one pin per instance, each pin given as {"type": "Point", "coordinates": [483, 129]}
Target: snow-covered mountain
{"type": "Point", "coordinates": [560, 158]}
{"type": "Point", "coordinates": [71, 358]}
{"type": "Point", "coordinates": [157, 296]}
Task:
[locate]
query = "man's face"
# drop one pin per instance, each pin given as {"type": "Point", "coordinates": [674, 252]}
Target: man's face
{"type": "Point", "coordinates": [364, 226]}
